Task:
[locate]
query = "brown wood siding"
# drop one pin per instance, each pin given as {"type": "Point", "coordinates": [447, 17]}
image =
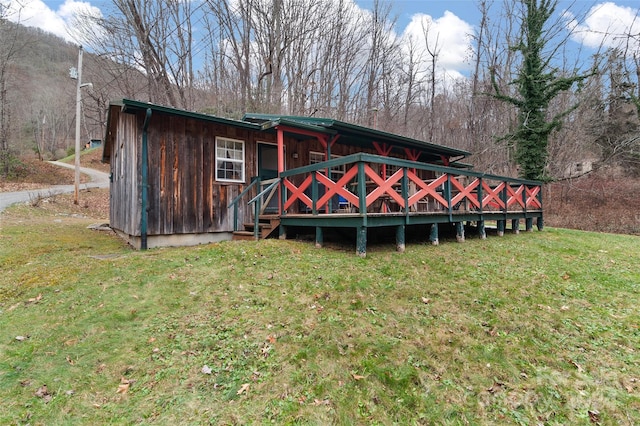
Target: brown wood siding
{"type": "Point", "coordinates": [304, 147]}
{"type": "Point", "coordinates": [184, 196]}
{"type": "Point", "coordinates": [124, 207]}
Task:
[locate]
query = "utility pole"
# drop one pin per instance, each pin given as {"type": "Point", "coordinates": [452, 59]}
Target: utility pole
{"type": "Point", "coordinates": [78, 102]}
{"type": "Point", "coordinates": [77, 74]}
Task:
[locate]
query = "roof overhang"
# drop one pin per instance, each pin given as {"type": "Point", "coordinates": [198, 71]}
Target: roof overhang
{"type": "Point", "coordinates": [352, 134]}
{"type": "Point", "coordinates": [303, 127]}
{"type": "Point", "coordinates": [130, 106]}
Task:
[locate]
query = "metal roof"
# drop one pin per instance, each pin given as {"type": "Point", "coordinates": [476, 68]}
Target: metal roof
{"type": "Point", "coordinates": [350, 134]}
{"type": "Point", "coordinates": [137, 105]}
{"type": "Point", "coordinates": [358, 134]}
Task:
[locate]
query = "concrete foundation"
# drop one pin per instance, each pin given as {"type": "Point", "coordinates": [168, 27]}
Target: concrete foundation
{"type": "Point", "coordinates": [175, 240]}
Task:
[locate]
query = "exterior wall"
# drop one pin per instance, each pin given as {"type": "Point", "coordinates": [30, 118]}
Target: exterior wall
{"type": "Point", "coordinates": [184, 195]}
{"type": "Point", "coordinates": [176, 240]}
{"type": "Point", "coordinates": [124, 206]}
{"type": "Point", "coordinates": [303, 147]}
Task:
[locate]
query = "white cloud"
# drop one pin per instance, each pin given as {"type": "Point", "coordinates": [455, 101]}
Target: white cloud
{"type": "Point", "coordinates": [36, 13]}
{"type": "Point", "coordinates": [449, 36]}
{"type": "Point", "coordinates": [607, 25]}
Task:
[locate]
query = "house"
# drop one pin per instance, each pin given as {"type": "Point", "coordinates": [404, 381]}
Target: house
{"type": "Point", "coordinates": [182, 178]}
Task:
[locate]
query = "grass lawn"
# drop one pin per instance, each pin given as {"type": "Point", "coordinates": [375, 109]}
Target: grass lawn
{"type": "Point", "coordinates": [536, 328]}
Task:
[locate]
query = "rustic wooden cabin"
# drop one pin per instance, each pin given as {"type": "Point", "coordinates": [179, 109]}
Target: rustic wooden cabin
{"type": "Point", "coordinates": [182, 178]}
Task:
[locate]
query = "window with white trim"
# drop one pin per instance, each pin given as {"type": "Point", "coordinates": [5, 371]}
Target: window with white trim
{"type": "Point", "coordinates": [229, 160]}
{"type": "Point", "coordinates": [316, 157]}
{"type": "Point", "coordinates": [336, 172]}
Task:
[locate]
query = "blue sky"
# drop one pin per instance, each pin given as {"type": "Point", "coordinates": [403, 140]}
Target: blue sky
{"type": "Point", "coordinates": [53, 13]}
{"type": "Point", "coordinates": [452, 22]}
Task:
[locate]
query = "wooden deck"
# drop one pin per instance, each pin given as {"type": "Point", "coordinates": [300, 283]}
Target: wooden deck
{"type": "Point", "coordinates": [357, 192]}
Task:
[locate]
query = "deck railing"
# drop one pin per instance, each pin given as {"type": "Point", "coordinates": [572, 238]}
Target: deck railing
{"type": "Point", "coordinates": [264, 191]}
{"type": "Point", "coordinates": [360, 184]}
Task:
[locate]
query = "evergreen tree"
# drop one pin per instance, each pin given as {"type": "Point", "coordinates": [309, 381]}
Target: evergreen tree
{"type": "Point", "coordinates": [537, 83]}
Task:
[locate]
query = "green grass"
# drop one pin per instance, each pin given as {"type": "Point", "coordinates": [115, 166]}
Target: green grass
{"type": "Point", "coordinates": [538, 328]}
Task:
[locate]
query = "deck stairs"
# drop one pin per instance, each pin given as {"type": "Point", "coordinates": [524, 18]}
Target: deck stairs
{"type": "Point", "coordinates": [268, 225]}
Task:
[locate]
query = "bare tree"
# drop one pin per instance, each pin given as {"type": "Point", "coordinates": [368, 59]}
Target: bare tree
{"type": "Point", "coordinates": [342, 63]}
{"type": "Point", "coordinates": [411, 81]}
{"type": "Point", "coordinates": [381, 52]}
{"type": "Point", "coordinates": [10, 48]}
{"type": "Point", "coordinates": [230, 35]}
{"type": "Point", "coordinates": [155, 37]}
{"type": "Point", "coordinates": [433, 50]}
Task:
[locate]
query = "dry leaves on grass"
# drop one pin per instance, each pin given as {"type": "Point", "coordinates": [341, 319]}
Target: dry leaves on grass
{"type": "Point", "coordinates": [576, 365]}
{"type": "Point", "coordinates": [495, 388]}
{"type": "Point", "coordinates": [244, 388]}
{"type": "Point", "coordinates": [43, 393]}
{"type": "Point", "coordinates": [124, 385]}
{"type": "Point", "coordinates": [35, 299]}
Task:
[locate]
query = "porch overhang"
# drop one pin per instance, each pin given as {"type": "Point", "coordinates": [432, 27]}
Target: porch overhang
{"type": "Point", "coordinates": [355, 135]}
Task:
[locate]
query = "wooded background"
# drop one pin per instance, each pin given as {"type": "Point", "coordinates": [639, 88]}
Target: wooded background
{"type": "Point", "coordinates": [329, 58]}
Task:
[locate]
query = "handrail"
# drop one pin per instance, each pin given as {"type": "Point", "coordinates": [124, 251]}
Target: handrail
{"type": "Point", "coordinates": [273, 183]}
{"type": "Point", "coordinates": [234, 203]}
{"type": "Point", "coordinates": [378, 159]}
{"type": "Point", "coordinates": [255, 181]}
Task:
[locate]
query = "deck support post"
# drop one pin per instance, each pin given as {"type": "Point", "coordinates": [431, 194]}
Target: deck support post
{"type": "Point", "coordinates": [540, 223]}
{"type": "Point", "coordinates": [482, 232]}
{"type": "Point", "coordinates": [529, 224]}
{"type": "Point", "coordinates": [433, 235]}
{"type": "Point", "coordinates": [400, 244]}
{"type": "Point", "coordinates": [361, 241]}
{"type": "Point", "coordinates": [501, 226]}
{"type": "Point", "coordinates": [515, 226]}
{"type": "Point", "coordinates": [319, 238]}
{"type": "Point", "coordinates": [282, 232]}
{"type": "Point", "coordinates": [460, 232]}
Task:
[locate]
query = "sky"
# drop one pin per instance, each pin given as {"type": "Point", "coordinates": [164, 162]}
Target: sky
{"type": "Point", "coordinates": [452, 22]}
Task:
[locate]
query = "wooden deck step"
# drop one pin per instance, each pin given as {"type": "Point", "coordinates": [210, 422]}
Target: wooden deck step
{"type": "Point", "coordinates": [267, 225]}
{"type": "Point", "coordinates": [243, 236]}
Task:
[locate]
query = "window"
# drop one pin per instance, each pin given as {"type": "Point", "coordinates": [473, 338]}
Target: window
{"type": "Point", "coordinates": [229, 160]}
{"type": "Point", "coordinates": [391, 169]}
{"type": "Point", "coordinates": [336, 172]}
{"type": "Point", "coordinates": [316, 157]}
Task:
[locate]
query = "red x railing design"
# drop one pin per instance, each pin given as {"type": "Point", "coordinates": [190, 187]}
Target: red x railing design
{"type": "Point", "coordinates": [297, 193]}
{"type": "Point", "coordinates": [332, 188]}
{"type": "Point", "coordinates": [384, 187]}
{"type": "Point", "coordinates": [492, 195]}
{"type": "Point", "coordinates": [445, 191]}
{"type": "Point", "coordinates": [425, 189]}
{"type": "Point", "coordinates": [514, 196]}
{"type": "Point", "coordinates": [465, 192]}
{"type": "Point", "coordinates": [531, 193]}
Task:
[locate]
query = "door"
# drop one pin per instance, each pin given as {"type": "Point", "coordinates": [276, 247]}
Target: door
{"type": "Point", "coordinates": [268, 169]}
